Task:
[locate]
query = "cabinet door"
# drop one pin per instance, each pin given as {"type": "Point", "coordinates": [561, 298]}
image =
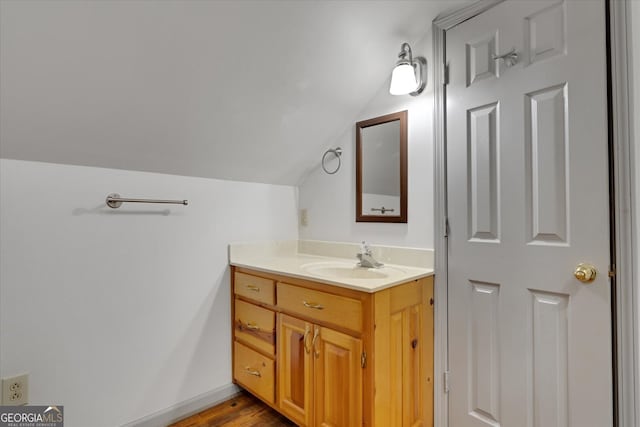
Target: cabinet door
{"type": "Point", "coordinates": [294, 368]}
{"type": "Point", "coordinates": [412, 366]}
{"type": "Point", "coordinates": [406, 368]}
{"type": "Point", "coordinates": [337, 379]}
{"type": "Point", "coordinates": [404, 356]}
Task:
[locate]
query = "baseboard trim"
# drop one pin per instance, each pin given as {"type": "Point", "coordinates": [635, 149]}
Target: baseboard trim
{"type": "Point", "coordinates": [186, 408]}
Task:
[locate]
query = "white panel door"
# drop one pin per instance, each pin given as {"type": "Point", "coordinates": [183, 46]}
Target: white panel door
{"type": "Point", "coordinates": [529, 344]}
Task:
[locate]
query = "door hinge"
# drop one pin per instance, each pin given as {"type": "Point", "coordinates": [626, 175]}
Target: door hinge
{"type": "Point", "coordinates": [612, 271]}
{"type": "Point", "coordinates": [446, 227]}
{"type": "Point", "coordinates": [363, 359]}
{"type": "Point", "coordinates": [445, 74]}
{"type": "Point", "coordinates": [446, 381]}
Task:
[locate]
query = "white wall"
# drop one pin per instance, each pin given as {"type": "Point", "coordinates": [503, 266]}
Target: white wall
{"type": "Point", "coordinates": [330, 199]}
{"type": "Point", "coordinates": [148, 85]}
{"type": "Point", "coordinates": [117, 314]}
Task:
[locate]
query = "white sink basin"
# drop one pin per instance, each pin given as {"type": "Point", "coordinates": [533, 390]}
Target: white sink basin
{"type": "Point", "coordinates": [343, 270]}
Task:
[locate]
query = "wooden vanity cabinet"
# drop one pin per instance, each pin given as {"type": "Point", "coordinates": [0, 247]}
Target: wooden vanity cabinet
{"type": "Point", "coordinates": [254, 335]}
{"type": "Point", "coordinates": [337, 379]}
{"type": "Point", "coordinates": [295, 374]}
{"type": "Point", "coordinates": [319, 374]}
{"type": "Point", "coordinates": [338, 357]}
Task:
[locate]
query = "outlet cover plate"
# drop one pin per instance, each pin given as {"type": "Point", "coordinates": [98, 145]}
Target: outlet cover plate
{"type": "Point", "coordinates": [15, 390]}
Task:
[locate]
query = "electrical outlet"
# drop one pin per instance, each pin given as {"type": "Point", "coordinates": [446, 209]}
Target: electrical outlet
{"type": "Point", "coordinates": [15, 390]}
{"type": "Point", "coordinates": [304, 218]}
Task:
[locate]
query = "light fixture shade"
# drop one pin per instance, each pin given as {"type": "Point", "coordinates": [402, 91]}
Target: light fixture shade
{"type": "Point", "coordinates": [403, 79]}
{"type": "Point", "coordinates": [410, 73]}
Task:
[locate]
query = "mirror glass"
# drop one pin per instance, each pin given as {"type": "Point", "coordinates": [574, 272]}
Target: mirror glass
{"type": "Point", "coordinates": [381, 169]}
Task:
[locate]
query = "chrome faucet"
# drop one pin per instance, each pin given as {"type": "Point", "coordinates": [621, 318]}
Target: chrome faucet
{"type": "Point", "coordinates": [366, 257]}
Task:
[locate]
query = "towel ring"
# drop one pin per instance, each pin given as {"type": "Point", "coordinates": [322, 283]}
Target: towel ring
{"type": "Point", "coordinates": [336, 152]}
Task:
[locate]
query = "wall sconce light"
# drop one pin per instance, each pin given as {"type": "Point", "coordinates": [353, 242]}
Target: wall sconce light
{"type": "Point", "coordinates": [410, 74]}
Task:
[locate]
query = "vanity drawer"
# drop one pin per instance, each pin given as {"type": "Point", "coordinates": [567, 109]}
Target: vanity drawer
{"type": "Point", "coordinates": [255, 326]}
{"type": "Point", "coordinates": [255, 288]}
{"type": "Point", "coordinates": [321, 306]}
{"type": "Point", "coordinates": [255, 372]}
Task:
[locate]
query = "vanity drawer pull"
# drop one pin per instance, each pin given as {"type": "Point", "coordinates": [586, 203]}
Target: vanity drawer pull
{"type": "Point", "coordinates": [307, 330]}
{"type": "Point", "coordinates": [252, 326]}
{"type": "Point", "coordinates": [316, 334]}
{"type": "Point", "coordinates": [313, 305]}
{"type": "Point", "coordinates": [253, 372]}
{"type": "Point", "coordinates": [253, 288]}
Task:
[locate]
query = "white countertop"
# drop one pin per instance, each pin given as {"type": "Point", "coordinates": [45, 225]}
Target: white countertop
{"type": "Point", "coordinates": [286, 258]}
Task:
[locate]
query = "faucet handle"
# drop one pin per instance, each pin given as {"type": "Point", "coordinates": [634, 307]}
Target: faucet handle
{"type": "Point", "coordinates": [364, 248]}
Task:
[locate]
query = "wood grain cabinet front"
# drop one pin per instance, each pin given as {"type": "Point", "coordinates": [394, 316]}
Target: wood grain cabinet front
{"type": "Point", "coordinates": [295, 375]}
{"type": "Point", "coordinates": [328, 356]}
{"type": "Point", "coordinates": [255, 372]}
{"type": "Point", "coordinates": [319, 374]}
{"type": "Point", "coordinates": [255, 326]}
{"type": "Point", "coordinates": [338, 368]}
{"type": "Point", "coordinates": [255, 288]}
{"type": "Point", "coordinates": [321, 306]}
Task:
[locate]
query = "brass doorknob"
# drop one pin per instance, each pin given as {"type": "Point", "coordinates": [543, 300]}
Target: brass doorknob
{"type": "Point", "coordinates": [586, 273]}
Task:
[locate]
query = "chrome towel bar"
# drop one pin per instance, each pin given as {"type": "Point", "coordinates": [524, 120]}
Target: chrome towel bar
{"type": "Point", "coordinates": [115, 201]}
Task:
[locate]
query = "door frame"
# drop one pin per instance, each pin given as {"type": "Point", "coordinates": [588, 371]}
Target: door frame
{"type": "Point", "coordinates": [623, 269]}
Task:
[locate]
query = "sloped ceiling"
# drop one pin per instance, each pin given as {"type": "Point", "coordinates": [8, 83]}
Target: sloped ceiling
{"type": "Point", "coordinates": [242, 90]}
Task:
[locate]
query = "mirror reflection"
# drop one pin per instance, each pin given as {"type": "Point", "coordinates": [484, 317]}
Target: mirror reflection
{"type": "Point", "coordinates": [381, 169]}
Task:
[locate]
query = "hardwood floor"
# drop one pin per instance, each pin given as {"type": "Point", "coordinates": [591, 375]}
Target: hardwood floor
{"type": "Point", "coordinates": [241, 411]}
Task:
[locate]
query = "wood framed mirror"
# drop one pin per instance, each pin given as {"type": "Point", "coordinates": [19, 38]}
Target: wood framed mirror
{"type": "Point", "coordinates": [381, 169]}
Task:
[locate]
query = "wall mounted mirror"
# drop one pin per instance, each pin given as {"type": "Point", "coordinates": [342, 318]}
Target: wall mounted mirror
{"type": "Point", "coordinates": [381, 169]}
